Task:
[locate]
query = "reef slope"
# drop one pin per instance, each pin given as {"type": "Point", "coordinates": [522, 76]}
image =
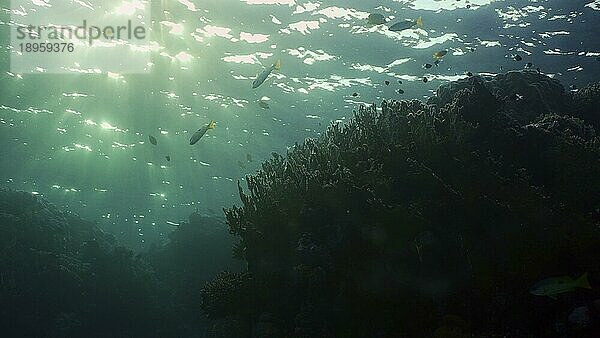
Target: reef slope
{"type": "Point", "coordinates": [413, 213]}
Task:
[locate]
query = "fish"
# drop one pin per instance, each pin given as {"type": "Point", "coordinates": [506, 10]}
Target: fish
{"type": "Point", "coordinates": [168, 158]}
{"type": "Point", "coordinates": [355, 94]}
{"type": "Point", "coordinates": [263, 104]}
{"type": "Point", "coordinates": [376, 19]}
{"type": "Point", "coordinates": [437, 63]}
{"type": "Point", "coordinates": [152, 139]}
{"type": "Point", "coordinates": [200, 132]}
{"type": "Point", "coordinates": [240, 164]}
{"type": "Point", "coordinates": [517, 57]}
{"type": "Point", "coordinates": [427, 65]}
{"type": "Point", "coordinates": [439, 54]}
{"type": "Point", "coordinates": [552, 287]}
{"type": "Point", "coordinates": [387, 83]}
{"type": "Point", "coordinates": [400, 81]}
{"type": "Point", "coordinates": [248, 157]}
{"type": "Point", "coordinates": [406, 24]}
{"type": "Point", "coordinates": [400, 91]}
{"type": "Point", "coordinates": [528, 65]}
{"type": "Point", "coordinates": [425, 79]}
{"type": "Point", "coordinates": [262, 76]}
{"type": "Point", "coordinates": [469, 74]}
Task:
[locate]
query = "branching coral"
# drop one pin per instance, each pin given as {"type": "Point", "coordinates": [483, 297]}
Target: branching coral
{"type": "Point", "coordinates": [484, 181]}
{"type": "Point", "coordinates": [229, 293]}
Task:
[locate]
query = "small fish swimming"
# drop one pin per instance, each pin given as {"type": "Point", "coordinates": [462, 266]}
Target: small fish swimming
{"type": "Point", "coordinates": [240, 164]}
{"type": "Point", "coordinates": [517, 57]}
{"type": "Point", "coordinates": [355, 94]}
{"type": "Point", "coordinates": [152, 139]}
{"type": "Point", "coordinates": [168, 158]}
{"type": "Point", "coordinates": [406, 24]}
{"type": "Point", "coordinates": [260, 78]}
{"type": "Point", "coordinates": [528, 65]}
{"type": "Point", "coordinates": [400, 91]}
{"type": "Point", "coordinates": [200, 132]}
{"type": "Point", "coordinates": [263, 104]}
{"type": "Point", "coordinates": [427, 65]}
{"type": "Point", "coordinates": [440, 54]}
{"type": "Point", "coordinates": [387, 83]}
{"type": "Point", "coordinates": [552, 287]}
{"type": "Point", "coordinates": [400, 81]}
{"type": "Point", "coordinates": [376, 19]}
{"type": "Point", "coordinates": [425, 79]}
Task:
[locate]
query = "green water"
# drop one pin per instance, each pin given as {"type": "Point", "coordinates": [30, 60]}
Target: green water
{"type": "Point", "coordinates": [81, 140]}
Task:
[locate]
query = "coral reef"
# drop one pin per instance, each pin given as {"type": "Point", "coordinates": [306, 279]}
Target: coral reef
{"type": "Point", "coordinates": [62, 276]}
{"type": "Point", "coordinates": [411, 213]}
{"type": "Point", "coordinates": [525, 94]}
{"type": "Point", "coordinates": [96, 286]}
{"type": "Point", "coordinates": [587, 101]}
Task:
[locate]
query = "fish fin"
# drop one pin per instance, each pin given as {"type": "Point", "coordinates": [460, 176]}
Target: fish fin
{"type": "Point", "coordinates": [212, 125]}
{"type": "Point", "coordinates": [277, 65]}
{"type": "Point", "coordinates": [420, 21]}
{"type": "Point", "coordinates": [583, 281]}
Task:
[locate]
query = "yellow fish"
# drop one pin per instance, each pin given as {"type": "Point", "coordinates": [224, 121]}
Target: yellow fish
{"type": "Point", "coordinates": [200, 132]}
{"type": "Point", "coordinates": [439, 55]}
{"type": "Point", "coordinates": [554, 286]}
{"type": "Point", "coordinates": [406, 24]}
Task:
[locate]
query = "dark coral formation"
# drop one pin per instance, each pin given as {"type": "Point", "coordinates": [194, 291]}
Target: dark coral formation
{"type": "Point", "coordinates": [62, 276]}
{"type": "Point", "coordinates": [587, 104]}
{"type": "Point", "coordinates": [525, 94]}
{"type": "Point", "coordinates": [413, 213]}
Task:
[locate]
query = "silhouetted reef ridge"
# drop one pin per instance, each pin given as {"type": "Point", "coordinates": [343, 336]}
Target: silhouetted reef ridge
{"type": "Point", "coordinates": [61, 276]}
{"type": "Point", "coordinates": [412, 212]}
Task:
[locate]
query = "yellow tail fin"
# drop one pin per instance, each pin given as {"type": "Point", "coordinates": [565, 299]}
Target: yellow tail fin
{"type": "Point", "coordinates": [420, 21]}
{"type": "Point", "coordinates": [212, 125]}
{"type": "Point", "coordinates": [583, 281]}
{"type": "Point", "coordinates": [277, 65]}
